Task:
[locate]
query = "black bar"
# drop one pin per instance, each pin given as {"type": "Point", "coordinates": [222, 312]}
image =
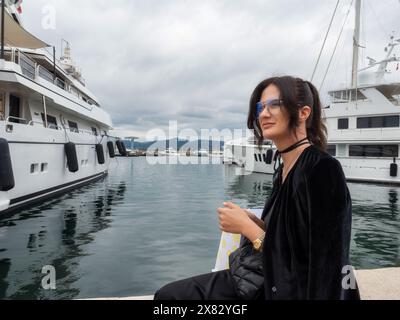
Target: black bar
{"type": "Point", "coordinates": [2, 27]}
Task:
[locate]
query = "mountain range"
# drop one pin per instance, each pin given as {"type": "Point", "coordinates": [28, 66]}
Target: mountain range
{"type": "Point", "coordinates": [177, 144]}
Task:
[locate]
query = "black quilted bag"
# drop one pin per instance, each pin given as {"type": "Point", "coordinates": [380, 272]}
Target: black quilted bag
{"type": "Point", "coordinates": [246, 268]}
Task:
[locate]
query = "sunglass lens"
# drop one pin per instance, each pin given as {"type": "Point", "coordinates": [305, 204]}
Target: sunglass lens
{"type": "Point", "coordinates": [259, 109]}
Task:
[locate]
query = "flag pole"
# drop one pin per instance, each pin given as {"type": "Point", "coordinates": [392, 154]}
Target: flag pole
{"type": "Point", "coordinates": [2, 27]}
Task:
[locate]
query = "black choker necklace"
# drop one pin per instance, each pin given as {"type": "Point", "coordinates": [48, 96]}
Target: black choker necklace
{"type": "Point", "coordinates": [295, 146]}
{"type": "Point", "coordinates": [291, 148]}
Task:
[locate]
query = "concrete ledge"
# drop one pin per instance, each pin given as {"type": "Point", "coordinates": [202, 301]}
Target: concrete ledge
{"type": "Point", "coordinates": [380, 284]}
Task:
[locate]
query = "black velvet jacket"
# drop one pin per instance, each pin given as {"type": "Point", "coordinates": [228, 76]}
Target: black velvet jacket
{"type": "Point", "coordinates": [309, 231]}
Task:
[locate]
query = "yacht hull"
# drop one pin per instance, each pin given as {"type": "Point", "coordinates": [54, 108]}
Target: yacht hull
{"type": "Point", "coordinates": [39, 164]}
{"type": "Point", "coordinates": [368, 170]}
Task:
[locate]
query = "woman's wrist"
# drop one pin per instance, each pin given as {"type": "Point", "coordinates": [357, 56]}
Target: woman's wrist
{"type": "Point", "coordinates": [252, 231]}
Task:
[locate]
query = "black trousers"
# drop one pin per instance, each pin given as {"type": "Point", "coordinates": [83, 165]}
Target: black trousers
{"type": "Point", "coordinates": [210, 286]}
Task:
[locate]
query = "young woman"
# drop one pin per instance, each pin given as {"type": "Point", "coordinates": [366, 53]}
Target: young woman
{"type": "Point", "coordinates": [305, 229]}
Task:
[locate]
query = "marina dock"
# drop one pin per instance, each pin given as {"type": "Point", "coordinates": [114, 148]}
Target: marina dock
{"type": "Point", "coordinates": [379, 284]}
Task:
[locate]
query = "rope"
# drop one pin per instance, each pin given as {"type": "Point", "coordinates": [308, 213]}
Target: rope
{"type": "Point", "coordinates": [326, 37]}
{"type": "Point", "coordinates": [337, 43]}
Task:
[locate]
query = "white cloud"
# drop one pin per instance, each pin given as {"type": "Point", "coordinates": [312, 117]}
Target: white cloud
{"type": "Point", "coordinates": [197, 62]}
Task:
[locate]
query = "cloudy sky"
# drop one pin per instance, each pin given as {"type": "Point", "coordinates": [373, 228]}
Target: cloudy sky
{"type": "Point", "coordinates": [197, 62]}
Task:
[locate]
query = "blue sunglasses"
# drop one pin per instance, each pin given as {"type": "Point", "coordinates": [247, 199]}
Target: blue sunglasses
{"type": "Point", "coordinates": [271, 105]}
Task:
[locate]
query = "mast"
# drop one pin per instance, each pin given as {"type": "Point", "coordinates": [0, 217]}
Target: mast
{"type": "Point", "coordinates": [3, 5]}
{"type": "Point", "coordinates": [356, 45]}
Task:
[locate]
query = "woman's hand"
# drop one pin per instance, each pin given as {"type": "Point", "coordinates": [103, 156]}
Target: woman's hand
{"type": "Point", "coordinates": [233, 219]}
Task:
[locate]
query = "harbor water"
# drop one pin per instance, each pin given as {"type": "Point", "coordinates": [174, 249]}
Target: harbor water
{"type": "Point", "coordinates": [146, 225]}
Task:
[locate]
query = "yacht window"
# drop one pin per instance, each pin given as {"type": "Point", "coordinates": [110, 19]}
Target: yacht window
{"type": "Point", "coordinates": [255, 157]}
{"type": "Point", "coordinates": [375, 151]}
{"type": "Point", "coordinates": [378, 122]}
{"type": "Point", "coordinates": [74, 91]}
{"type": "Point", "coordinates": [73, 126]}
{"type": "Point", "coordinates": [363, 123]}
{"type": "Point", "coordinates": [392, 121]}
{"type": "Point", "coordinates": [269, 156]}
{"type": "Point", "coordinates": [343, 124]}
{"type": "Point", "coordinates": [15, 109]}
{"type": "Point", "coordinates": [60, 83]}
{"type": "Point", "coordinates": [332, 150]}
{"type": "Point", "coordinates": [34, 168]}
{"type": "Point", "coordinates": [94, 131]}
{"type": "Point", "coordinates": [45, 74]}
{"type": "Point", "coordinates": [51, 122]}
{"type": "Point", "coordinates": [342, 150]}
{"type": "Point", "coordinates": [44, 167]}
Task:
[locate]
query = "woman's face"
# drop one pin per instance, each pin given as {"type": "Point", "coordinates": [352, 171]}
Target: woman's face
{"type": "Point", "coordinates": [274, 122]}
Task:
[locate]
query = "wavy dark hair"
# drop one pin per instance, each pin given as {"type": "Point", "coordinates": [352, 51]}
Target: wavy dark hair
{"type": "Point", "coordinates": [295, 93]}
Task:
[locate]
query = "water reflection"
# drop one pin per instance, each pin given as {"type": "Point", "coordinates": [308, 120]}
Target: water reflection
{"type": "Point", "coordinates": [250, 191]}
{"type": "Point", "coordinates": [393, 200]}
{"type": "Point", "coordinates": [376, 226]}
{"type": "Point", "coordinates": [54, 233]}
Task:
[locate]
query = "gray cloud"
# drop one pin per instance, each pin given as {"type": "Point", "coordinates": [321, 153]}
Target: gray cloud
{"type": "Point", "coordinates": [197, 62]}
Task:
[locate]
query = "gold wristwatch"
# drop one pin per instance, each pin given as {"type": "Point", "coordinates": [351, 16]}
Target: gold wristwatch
{"type": "Point", "coordinates": [257, 244]}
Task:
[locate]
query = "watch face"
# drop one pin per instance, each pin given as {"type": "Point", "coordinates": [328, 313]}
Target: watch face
{"type": "Point", "coordinates": [257, 244]}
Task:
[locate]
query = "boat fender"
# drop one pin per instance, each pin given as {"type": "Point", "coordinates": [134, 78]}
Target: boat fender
{"type": "Point", "coordinates": [6, 172]}
{"type": "Point", "coordinates": [111, 149]}
{"type": "Point", "coordinates": [270, 155]}
{"type": "Point", "coordinates": [100, 154]}
{"type": "Point", "coordinates": [394, 169]}
{"type": "Point", "coordinates": [121, 148]}
{"type": "Point", "coordinates": [72, 158]}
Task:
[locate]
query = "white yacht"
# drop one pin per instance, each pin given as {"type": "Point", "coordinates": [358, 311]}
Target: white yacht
{"type": "Point", "coordinates": [246, 154]}
{"type": "Point", "coordinates": [201, 153]}
{"type": "Point", "coordinates": [363, 123]}
{"type": "Point", "coordinates": [53, 131]}
{"type": "Point", "coordinates": [169, 152]}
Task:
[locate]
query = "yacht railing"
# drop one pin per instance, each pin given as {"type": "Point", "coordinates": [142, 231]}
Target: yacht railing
{"type": "Point", "coordinates": [49, 125]}
{"type": "Point", "coordinates": [32, 70]}
{"type": "Point", "coordinates": [88, 132]}
{"type": "Point", "coordinates": [16, 120]}
{"type": "Point", "coordinates": [45, 74]}
{"type": "Point", "coordinates": [27, 65]}
{"type": "Point", "coordinates": [61, 84]}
